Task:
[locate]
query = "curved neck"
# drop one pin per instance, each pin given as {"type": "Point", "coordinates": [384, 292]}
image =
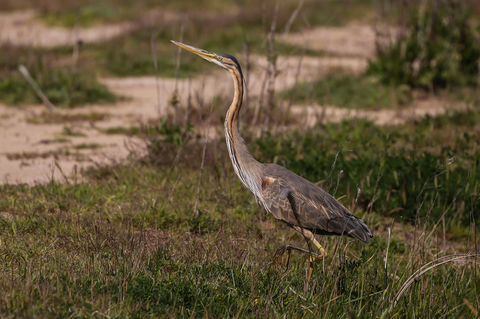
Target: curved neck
{"type": "Point", "coordinates": [246, 167]}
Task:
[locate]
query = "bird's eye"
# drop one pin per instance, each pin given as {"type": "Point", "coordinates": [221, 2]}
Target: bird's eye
{"type": "Point", "coordinates": [219, 58]}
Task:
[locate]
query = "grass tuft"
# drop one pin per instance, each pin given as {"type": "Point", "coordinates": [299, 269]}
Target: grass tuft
{"type": "Point", "coordinates": [60, 118]}
{"type": "Point", "coordinates": [344, 90]}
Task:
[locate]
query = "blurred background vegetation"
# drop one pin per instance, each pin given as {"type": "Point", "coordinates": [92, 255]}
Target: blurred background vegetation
{"type": "Point", "coordinates": [433, 47]}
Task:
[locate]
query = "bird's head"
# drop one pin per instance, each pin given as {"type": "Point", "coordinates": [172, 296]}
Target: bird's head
{"type": "Point", "coordinates": [226, 61]}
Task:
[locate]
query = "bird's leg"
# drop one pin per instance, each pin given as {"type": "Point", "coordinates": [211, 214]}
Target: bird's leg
{"type": "Point", "coordinates": [313, 256]}
{"type": "Point", "coordinates": [310, 237]}
{"type": "Point", "coordinates": [288, 248]}
{"type": "Point", "coordinates": [323, 254]}
{"type": "Point", "coordinates": [311, 261]}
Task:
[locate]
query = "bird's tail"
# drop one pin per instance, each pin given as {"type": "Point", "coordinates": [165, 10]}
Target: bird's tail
{"type": "Point", "coordinates": [356, 228]}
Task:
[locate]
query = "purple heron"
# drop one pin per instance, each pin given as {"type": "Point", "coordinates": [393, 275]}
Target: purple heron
{"type": "Point", "coordinates": [290, 198]}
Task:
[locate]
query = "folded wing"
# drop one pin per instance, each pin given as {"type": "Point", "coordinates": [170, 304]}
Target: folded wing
{"type": "Point", "coordinates": [298, 202]}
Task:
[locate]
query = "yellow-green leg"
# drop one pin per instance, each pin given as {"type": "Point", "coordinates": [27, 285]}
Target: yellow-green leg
{"type": "Point", "coordinates": [313, 256]}
{"type": "Point", "coordinates": [322, 255]}
{"type": "Point", "coordinates": [288, 249]}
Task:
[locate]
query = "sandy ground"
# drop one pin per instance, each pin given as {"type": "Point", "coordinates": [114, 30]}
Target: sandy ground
{"type": "Point", "coordinates": [351, 40]}
{"type": "Point", "coordinates": [430, 106]}
{"type": "Point", "coordinates": [21, 28]}
{"type": "Point", "coordinates": [148, 98]}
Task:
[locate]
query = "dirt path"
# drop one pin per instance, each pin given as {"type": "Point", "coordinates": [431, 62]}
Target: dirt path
{"type": "Point", "coordinates": [22, 28]}
{"type": "Point", "coordinates": [432, 106]}
{"type": "Point", "coordinates": [29, 151]}
{"type": "Point", "coordinates": [351, 40]}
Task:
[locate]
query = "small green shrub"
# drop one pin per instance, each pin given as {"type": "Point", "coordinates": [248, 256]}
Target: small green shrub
{"type": "Point", "coordinates": [62, 87]}
{"type": "Point", "coordinates": [15, 90]}
{"type": "Point", "coordinates": [72, 89]}
{"type": "Point", "coordinates": [437, 48]}
{"type": "Point", "coordinates": [55, 74]}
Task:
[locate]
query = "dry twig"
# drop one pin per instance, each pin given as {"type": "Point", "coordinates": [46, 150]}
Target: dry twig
{"type": "Point", "coordinates": [24, 71]}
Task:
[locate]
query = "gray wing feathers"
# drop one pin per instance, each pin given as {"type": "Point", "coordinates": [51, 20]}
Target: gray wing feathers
{"type": "Point", "coordinates": [299, 202]}
{"type": "Point", "coordinates": [284, 192]}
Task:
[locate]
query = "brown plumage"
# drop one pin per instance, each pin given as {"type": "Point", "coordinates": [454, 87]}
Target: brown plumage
{"type": "Point", "coordinates": [290, 198]}
{"type": "Point", "coordinates": [298, 202]}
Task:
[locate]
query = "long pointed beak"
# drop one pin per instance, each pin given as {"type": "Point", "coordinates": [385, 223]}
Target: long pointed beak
{"type": "Point", "coordinates": [207, 55]}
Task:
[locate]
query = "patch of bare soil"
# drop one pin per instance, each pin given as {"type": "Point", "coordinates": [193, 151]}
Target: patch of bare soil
{"type": "Point", "coordinates": [351, 40]}
{"type": "Point", "coordinates": [21, 28]}
{"type": "Point", "coordinates": [28, 151]}
{"type": "Point", "coordinates": [431, 106]}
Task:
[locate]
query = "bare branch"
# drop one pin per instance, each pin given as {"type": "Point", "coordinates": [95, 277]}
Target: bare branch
{"type": "Point", "coordinates": [23, 70]}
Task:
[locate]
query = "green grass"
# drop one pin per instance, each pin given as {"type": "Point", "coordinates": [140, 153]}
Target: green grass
{"type": "Point", "coordinates": [88, 14]}
{"type": "Point", "coordinates": [126, 242]}
{"type": "Point", "coordinates": [53, 70]}
{"type": "Point", "coordinates": [63, 89]}
{"type": "Point", "coordinates": [59, 118]}
{"type": "Point", "coordinates": [228, 28]}
{"type": "Point", "coordinates": [366, 92]}
{"type": "Point", "coordinates": [329, 13]}
{"type": "Point", "coordinates": [120, 130]}
{"type": "Point", "coordinates": [91, 146]}
{"type": "Point", "coordinates": [349, 91]}
{"type": "Point", "coordinates": [67, 85]}
{"type": "Point", "coordinates": [131, 54]}
{"type": "Point", "coordinates": [123, 240]}
{"type": "Point", "coordinates": [54, 154]}
{"type": "Point", "coordinates": [69, 131]}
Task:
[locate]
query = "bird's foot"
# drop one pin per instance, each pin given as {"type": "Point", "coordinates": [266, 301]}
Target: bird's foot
{"type": "Point", "coordinates": [277, 258]}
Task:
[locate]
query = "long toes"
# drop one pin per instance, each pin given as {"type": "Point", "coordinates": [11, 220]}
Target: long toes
{"type": "Point", "coordinates": [280, 251]}
{"type": "Point", "coordinates": [278, 256]}
{"type": "Point", "coordinates": [319, 257]}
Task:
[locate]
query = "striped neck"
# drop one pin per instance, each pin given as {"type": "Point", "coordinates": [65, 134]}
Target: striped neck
{"type": "Point", "coordinates": [246, 167]}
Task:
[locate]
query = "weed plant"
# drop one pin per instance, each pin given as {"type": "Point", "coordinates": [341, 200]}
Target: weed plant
{"type": "Point", "coordinates": [63, 84]}
{"type": "Point", "coordinates": [436, 48]}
